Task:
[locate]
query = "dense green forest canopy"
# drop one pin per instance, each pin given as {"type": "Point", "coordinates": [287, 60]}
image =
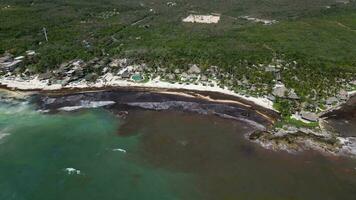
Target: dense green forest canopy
{"type": "Point", "coordinates": [321, 32]}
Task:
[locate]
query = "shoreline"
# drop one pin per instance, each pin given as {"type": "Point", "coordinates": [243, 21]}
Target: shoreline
{"type": "Point", "coordinates": [110, 81]}
{"type": "Point", "coordinates": [123, 99]}
{"type": "Point", "coordinates": [197, 93]}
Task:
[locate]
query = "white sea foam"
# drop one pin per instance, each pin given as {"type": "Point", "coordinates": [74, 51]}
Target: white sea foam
{"type": "Point", "coordinates": [2, 135]}
{"type": "Point", "coordinates": [348, 145]}
{"type": "Point", "coordinates": [72, 171]}
{"type": "Point", "coordinates": [43, 111]}
{"type": "Point", "coordinates": [120, 150]}
{"type": "Point", "coordinates": [14, 107]}
{"type": "Point", "coordinates": [87, 104]}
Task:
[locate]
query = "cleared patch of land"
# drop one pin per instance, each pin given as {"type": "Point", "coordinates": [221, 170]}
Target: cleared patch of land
{"type": "Point", "coordinates": [204, 19]}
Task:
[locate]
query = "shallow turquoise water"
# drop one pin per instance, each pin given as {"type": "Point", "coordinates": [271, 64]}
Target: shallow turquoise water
{"type": "Point", "coordinates": [40, 147]}
{"type": "Point", "coordinates": [169, 155]}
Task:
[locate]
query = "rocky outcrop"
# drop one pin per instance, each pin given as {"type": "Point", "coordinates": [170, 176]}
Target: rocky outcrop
{"type": "Point", "coordinates": [291, 139]}
{"type": "Point", "coordinates": [296, 141]}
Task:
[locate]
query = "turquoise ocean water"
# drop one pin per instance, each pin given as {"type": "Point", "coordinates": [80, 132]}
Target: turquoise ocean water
{"type": "Point", "coordinates": [92, 154]}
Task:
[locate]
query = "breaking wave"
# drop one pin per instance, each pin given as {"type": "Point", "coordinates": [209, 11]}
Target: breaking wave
{"type": "Point", "coordinates": [348, 146]}
{"type": "Point", "coordinates": [2, 135]}
{"type": "Point", "coordinates": [72, 171]}
{"type": "Point", "coordinates": [87, 104]}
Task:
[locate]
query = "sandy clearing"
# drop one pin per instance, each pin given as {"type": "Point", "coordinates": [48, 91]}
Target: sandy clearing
{"type": "Point", "coordinates": [205, 19]}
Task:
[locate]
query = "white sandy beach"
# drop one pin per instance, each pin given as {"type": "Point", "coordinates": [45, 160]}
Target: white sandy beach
{"type": "Point", "coordinates": [109, 80]}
